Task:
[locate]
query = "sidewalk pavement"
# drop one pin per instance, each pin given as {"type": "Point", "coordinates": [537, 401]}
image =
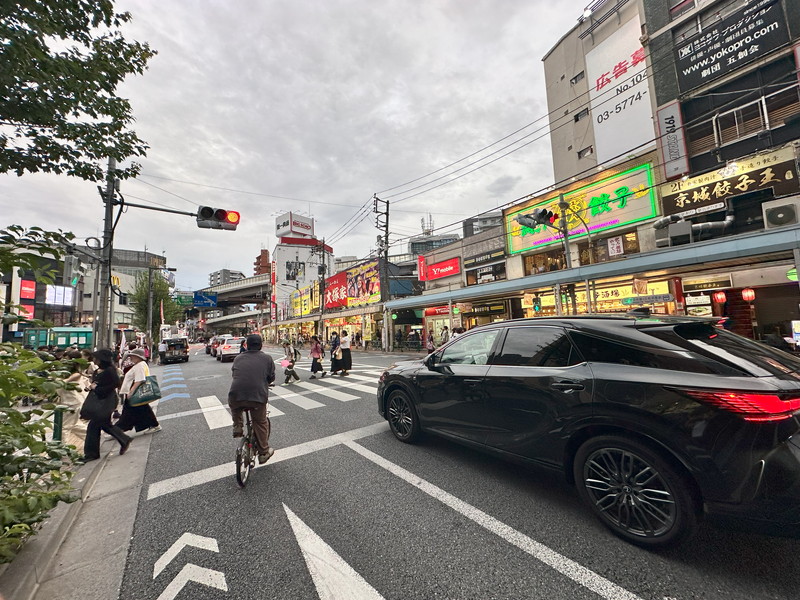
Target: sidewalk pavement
{"type": "Point", "coordinates": [80, 552]}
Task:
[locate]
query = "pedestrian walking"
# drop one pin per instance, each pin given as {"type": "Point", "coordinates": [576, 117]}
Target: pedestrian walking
{"type": "Point", "coordinates": [316, 355]}
{"type": "Point", "coordinates": [336, 354]}
{"type": "Point", "coordinates": [288, 363]}
{"type": "Point", "coordinates": [445, 335]}
{"type": "Point", "coordinates": [105, 382]}
{"type": "Point", "coordinates": [346, 362]}
{"type": "Point", "coordinates": [141, 418]}
{"type": "Point", "coordinates": [429, 345]}
{"type": "Point", "coordinates": [162, 352]}
{"type": "Point", "coordinates": [73, 430]}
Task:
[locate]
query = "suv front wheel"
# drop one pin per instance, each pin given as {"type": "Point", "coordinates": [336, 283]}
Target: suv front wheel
{"type": "Point", "coordinates": [635, 492]}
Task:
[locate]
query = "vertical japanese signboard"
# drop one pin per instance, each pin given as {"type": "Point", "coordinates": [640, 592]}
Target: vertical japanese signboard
{"type": "Point", "coordinates": [620, 101]}
{"type": "Point", "coordinates": [336, 291]}
{"type": "Point", "coordinates": [671, 140]}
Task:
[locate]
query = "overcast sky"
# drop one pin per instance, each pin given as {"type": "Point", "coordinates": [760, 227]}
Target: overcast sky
{"type": "Point", "coordinates": [313, 106]}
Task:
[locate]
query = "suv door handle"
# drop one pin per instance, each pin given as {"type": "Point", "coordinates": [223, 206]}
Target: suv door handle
{"type": "Point", "coordinates": [470, 380]}
{"type": "Point", "coordinates": [567, 386]}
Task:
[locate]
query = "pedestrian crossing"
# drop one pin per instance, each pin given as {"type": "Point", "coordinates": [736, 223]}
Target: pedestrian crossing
{"type": "Point", "coordinates": [332, 389]}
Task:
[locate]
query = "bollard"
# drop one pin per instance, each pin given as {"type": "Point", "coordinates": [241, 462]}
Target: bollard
{"type": "Point", "coordinates": [58, 424]}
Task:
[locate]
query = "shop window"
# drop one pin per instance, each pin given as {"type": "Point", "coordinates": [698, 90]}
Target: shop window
{"type": "Point", "coordinates": [610, 248]}
{"type": "Point", "coordinates": [544, 262]}
{"type": "Point", "coordinates": [536, 347]}
{"type": "Point", "coordinates": [588, 151]}
{"type": "Point", "coordinates": [679, 7]}
{"type": "Point", "coordinates": [766, 112]}
{"type": "Point", "coordinates": [577, 78]}
{"type": "Point", "coordinates": [582, 115]}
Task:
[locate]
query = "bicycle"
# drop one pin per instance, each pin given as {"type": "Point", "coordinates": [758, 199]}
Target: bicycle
{"type": "Point", "coordinates": [246, 451]}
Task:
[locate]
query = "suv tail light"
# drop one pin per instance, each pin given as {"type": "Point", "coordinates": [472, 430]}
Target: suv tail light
{"type": "Point", "coordinates": [226, 347]}
{"type": "Point", "coordinates": [748, 405]}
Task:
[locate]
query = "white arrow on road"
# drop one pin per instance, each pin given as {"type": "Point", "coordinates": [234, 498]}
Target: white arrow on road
{"type": "Point", "coordinates": [332, 576]}
{"type": "Point", "coordinates": [192, 572]}
{"type": "Point", "coordinates": [187, 539]}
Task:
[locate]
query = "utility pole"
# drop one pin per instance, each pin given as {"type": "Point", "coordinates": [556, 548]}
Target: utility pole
{"type": "Point", "coordinates": [322, 271]}
{"type": "Point", "coordinates": [382, 223]}
{"type": "Point", "coordinates": [106, 251]}
{"type": "Point", "coordinates": [150, 306]}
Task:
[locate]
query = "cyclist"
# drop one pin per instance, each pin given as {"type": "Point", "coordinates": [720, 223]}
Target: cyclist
{"type": "Point", "coordinates": [252, 373]}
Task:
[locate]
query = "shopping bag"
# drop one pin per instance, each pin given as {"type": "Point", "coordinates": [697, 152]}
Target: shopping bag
{"type": "Point", "coordinates": [146, 393]}
{"type": "Point", "coordinates": [285, 362]}
{"type": "Point", "coordinates": [95, 408]}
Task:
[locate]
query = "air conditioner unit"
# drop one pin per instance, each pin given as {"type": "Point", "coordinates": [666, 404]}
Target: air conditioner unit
{"type": "Point", "coordinates": [780, 213]}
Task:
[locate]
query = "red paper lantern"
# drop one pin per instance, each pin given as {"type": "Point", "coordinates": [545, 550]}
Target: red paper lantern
{"type": "Point", "coordinates": [719, 297]}
{"type": "Point", "coordinates": [748, 294]}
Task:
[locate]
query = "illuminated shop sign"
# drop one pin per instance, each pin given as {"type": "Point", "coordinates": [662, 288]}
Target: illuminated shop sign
{"type": "Point", "coordinates": [363, 284]}
{"type": "Point", "coordinates": [617, 201]}
{"type": "Point", "coordinates": [336, 290]}
{"type": "Point", "coordinates": [708, 192]}
{"type": "Point", "coordinates": [446, 268]}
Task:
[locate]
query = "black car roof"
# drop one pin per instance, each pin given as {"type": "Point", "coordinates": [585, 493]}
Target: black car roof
{"type": "Point", "coordinates": [607, 320]}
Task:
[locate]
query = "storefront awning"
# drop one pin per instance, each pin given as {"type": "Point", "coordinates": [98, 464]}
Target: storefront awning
{"type": "Point", "coordinates": [699, 253]}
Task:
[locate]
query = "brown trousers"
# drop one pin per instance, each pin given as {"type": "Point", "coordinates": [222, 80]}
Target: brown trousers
{"type": "Point", "coordinates": [258, 415]}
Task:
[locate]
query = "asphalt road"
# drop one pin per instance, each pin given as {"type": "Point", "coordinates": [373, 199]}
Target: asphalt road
{"type": "Point", "coordinates": [343, 510]}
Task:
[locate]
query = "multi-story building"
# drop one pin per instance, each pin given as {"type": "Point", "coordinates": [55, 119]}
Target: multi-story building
{"type": "Point", "coordinates": [224, 276]}
{"type": "Point", "coordinates": [262, 265]}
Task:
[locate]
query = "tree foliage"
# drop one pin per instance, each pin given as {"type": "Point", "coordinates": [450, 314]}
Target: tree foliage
{"type": "Point", "coordinates": [35, 473]}
{"type": "Point", "coordinates": [138, 299]}
{"type": "Point", "coordinates": [61, 62]}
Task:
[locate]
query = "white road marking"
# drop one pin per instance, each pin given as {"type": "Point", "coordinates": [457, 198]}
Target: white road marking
{"type": "Point", "coordinates": [332, 576]}
{"type": "Point", "coordinates": [273, 412]}
{"type": "Point", "coordinates": [190, 480]}
{"type": "Point", "coordinates": [294, 398]}
{"type": "Point", "coordinates": [567, 567]}
{"type": "Point", "coordinates": [201, 575]}
{"type": "Point", "coordinates": [351, 376]}
{"type": "Point", "coordinates": [325, 391]}
{"type": "Point", "coordinates": [187, 539]}
{"type": "Point", "coordinates": [216, 418]}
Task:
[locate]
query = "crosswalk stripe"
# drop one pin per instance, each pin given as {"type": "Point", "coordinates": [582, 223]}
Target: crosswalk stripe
{"type": "Point", "coordinates": [295, 398]}
{"type": "Point", "coordinates": [351, 375]}
{"type": "Point", "coordinates": [362, 388]}
{"type": "Point", "coordinates": [215, 417]}
{"type": "Point", "coordinates": [325, 391]}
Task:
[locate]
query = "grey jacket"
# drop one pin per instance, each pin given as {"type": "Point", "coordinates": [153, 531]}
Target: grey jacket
{"type": "Point", "coordinates": [252, 373]}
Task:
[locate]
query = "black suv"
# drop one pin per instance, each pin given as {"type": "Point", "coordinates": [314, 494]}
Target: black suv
{"type": "Point", "coordinates": [655, 419]}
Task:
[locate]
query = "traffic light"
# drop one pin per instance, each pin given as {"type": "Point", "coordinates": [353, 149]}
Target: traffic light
{"type": "Point", "coordinates": [538, 216]}
{"type": "Point", "coordinates": [209, 217]}
{"type": "Point", "coordinates": [537, 304]}
{"type": "Point", "coordinates": [72, 270]}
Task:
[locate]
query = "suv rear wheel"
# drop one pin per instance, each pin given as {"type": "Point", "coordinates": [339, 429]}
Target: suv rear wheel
{"type": "Point", "coordinates": [635, 492]}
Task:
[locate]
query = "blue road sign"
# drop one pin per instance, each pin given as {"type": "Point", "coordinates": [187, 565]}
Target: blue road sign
{"type": "Point", "coordinates": [204, 300]}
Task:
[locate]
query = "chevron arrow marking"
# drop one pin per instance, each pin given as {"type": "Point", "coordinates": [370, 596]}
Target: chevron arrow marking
{"type": "Point", "coordinates": [187, 539]}
{"type": "Point", "coordinates": [191, 572]}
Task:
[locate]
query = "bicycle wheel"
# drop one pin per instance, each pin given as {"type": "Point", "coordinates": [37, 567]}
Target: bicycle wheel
{"type": "Point", "coordinates": [244, 460]}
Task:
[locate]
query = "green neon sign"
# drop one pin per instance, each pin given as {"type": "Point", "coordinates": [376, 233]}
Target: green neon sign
{"type": "Point", "coordinates": [616, 201]}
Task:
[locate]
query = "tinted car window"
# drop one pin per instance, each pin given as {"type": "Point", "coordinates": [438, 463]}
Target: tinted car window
{"type": "Point", "coordinates": [737, 352]}
{"type": "Point", "coordinates": [472, 349]}
{"type": "Point", "coordinates": [536, 347]}
{"type": "Point", "coordinates": [597, 349]}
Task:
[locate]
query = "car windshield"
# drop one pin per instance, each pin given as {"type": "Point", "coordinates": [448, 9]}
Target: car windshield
{"type": "Point", "coordinates": [744, 354]}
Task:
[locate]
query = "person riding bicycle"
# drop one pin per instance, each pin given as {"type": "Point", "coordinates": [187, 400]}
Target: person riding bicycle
{"type": "Point", "coordinates": [252, 373]}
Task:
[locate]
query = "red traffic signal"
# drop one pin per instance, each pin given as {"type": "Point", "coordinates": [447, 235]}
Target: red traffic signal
{"type": "Point", "coordinates": [217, 218]}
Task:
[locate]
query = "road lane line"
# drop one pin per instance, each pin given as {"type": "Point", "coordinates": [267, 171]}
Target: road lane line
{"type": "Point", "coordinates": [273, 412]}
{"type": "Point", "coordinates": [566, 566]}
{"type": "Point", "coordinates": [216, 418]}
{"type": "Point", "coordinates": [332, 576]}
{"type": "Point", "coordinates": [190, 480]}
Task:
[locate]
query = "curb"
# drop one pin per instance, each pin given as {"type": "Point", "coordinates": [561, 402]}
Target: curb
{"type": "Point", "coordinates": [20, 578]}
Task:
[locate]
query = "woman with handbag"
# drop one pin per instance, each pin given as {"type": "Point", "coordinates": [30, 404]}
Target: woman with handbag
{"type": "Point", "coordinates": [99, 404]}
{"type": "Point", "coordinates": [346, 361]}
{"type": "Point", "coordinates": [316, 358]}
{"type": "Point", "coordinates": [141, 418]}
{"type": "Point", "coordinates": [336, 353]}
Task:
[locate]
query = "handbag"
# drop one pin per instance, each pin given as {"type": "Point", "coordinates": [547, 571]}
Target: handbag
{"type": "Point", "coordinates": [95, 408]}
{"type": "Point", "coordinates": [338, 354]}
{"type": "Point", "coordinates": [147, 392]}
